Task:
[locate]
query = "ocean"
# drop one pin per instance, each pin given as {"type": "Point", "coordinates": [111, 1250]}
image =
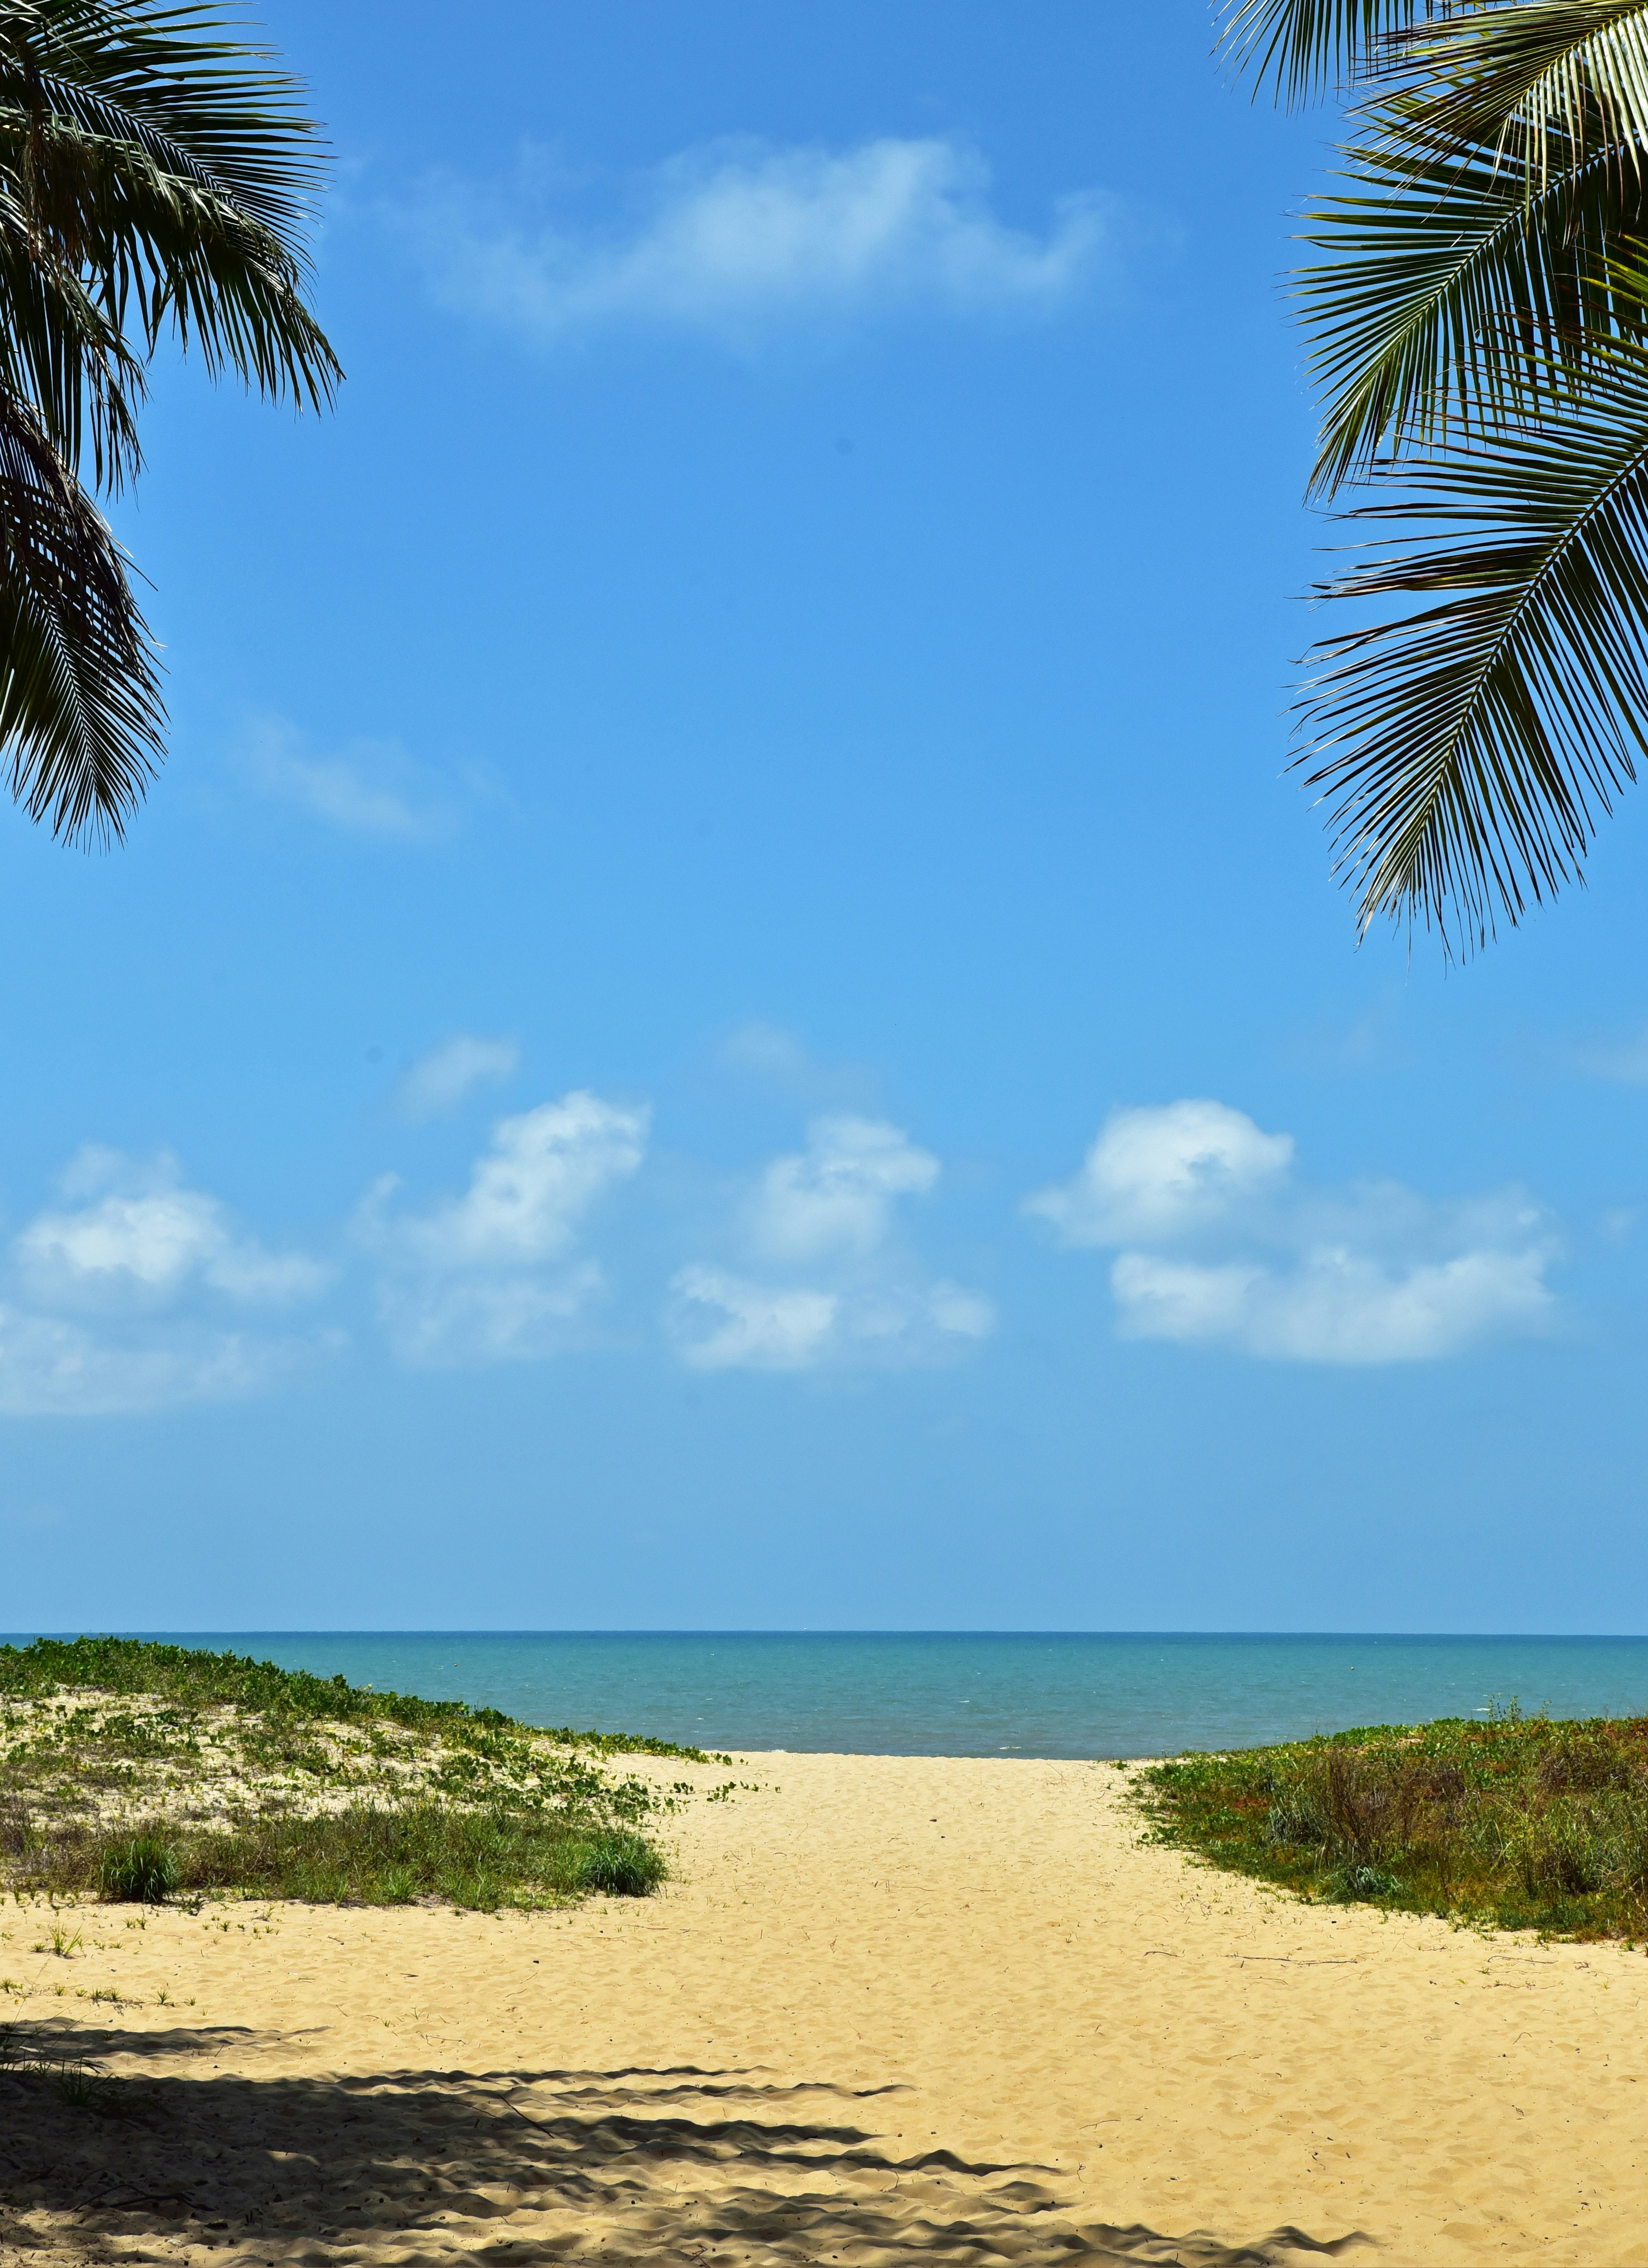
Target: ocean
{"type": "Point", "coordinates": [968, 1693]}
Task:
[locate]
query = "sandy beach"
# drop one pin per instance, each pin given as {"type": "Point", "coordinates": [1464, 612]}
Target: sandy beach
{"type": "Point", "coordinates": [890, 2009]}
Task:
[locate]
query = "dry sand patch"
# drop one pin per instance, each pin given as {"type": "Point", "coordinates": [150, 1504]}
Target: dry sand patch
{"type": "Point", "coordinates": [893, 2010]}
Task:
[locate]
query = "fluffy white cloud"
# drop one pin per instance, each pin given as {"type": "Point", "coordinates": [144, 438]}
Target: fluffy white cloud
{"type": "Point", "coordinates": [440, 1079]}
{"type": "Point", "coordinates": [145, 1239]}
{"type": "Point", "coordinates": [1157, 1171]}
{"type": "Point", "coordinates": [837, 1194]}
{"type": "Point", "coordinates": [114, 1293]}
{"type": "Point", "coordinates": [725, 1322]}
{"type": "Point", "coordinates": [735, 238]}
{"type": "Point", "coordinates": [1372, 1275]}
{"type": "Point", "coordinates": [492, 1276]}
{"type": "Point", "coordinates": [370, 787]}
{"type": "Point", "coordinates": [831, 1208]}
{"type": "Point", "coordinates": [1336, 1306]}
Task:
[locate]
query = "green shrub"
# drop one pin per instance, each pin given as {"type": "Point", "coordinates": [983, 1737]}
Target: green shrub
{"type": "Point", "coordinates": [623, 1865]}
{"type": "Point", "coordinates": [1521, 1821]}
{"type": "Point", "coordinates": [138, 1870]}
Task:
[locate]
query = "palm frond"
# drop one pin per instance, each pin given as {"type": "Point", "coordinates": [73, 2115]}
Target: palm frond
{"type": "Point", "coordinates": [80, 710]}
{"type": "Point", "coordinates": [174, 169]}
{"type": "Point", "coordinates": [1309, 46]}
{"type": "Point", "coordinates": [1456, 289]}
{"type": "Point", "coordinates": [1468, 748]}
{"type": "Point", "coordinates": [1551, 80]}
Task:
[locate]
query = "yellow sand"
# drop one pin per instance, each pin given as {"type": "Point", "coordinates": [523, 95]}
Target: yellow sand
{"type": "Point", "coordinates": [892, 2010]}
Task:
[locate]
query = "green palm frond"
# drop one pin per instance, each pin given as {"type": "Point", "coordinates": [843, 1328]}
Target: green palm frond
{"type": "Point", "coordinates": [158, 180]}
{"type": "Point", "coordinates": [1309, 46]}
{"type": "Point", "coordinates": [60, 351]}
{"type": "Point", "coordinates": [174, 170]}
{"type": "Point", "coordinates": [80, 713]}
{"type": "Point", "coordinates": [1455, 290]}
{"type": "Point", "coordinates": [1551, 80]}
{"type": "Point", "coordinates": [1468, 748]}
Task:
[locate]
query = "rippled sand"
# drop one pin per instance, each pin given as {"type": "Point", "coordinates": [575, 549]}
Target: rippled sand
{"type": "Point", "coordinates": [893, 2010]}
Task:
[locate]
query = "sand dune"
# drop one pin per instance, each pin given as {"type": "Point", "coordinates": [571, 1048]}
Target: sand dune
{"type": "Point", "coordinates": [893, 2010]}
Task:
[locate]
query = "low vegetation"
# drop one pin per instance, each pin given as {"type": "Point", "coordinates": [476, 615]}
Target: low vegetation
{"type": "Point", "coordinates": [1517, 1823]}
{"type": "Point", "coordinates": [136, 1771]}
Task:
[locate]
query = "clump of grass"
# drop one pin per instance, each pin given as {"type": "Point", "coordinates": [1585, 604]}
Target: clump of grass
{"type": "Point", "coordinates": [82, 2088]}
{"type": "Point", "coordinates": [622, 1865]}
{"type": "Point", "coordinates": [138, 1870]}
{"type": "Point", "coordinates": [367, 1854]}
{"type": "Point", "coordinates": [1519, 1822]}
{"type": "Point", "coordinates": [77, 2083]}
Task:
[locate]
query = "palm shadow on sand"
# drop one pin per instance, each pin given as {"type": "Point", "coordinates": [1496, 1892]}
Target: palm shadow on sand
{"type": "Point", "coordinates": [171, 2152]}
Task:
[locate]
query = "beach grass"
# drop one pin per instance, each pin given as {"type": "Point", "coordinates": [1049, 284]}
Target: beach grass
{"type": "Point", "coordinates": [191, 1678]}
{"type": "Point", "coordinates": [1517, 1823]}
{"type": "Point", "coordinates": [136, 1771]}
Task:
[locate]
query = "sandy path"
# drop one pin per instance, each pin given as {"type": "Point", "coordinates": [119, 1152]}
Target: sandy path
{"type": "Point", "coordinates": [893, 2010]}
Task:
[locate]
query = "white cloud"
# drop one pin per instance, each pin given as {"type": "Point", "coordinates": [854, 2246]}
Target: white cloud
{"type": "Point", "coordinates": [146, 1240]}
{"type": "Point", "coordinates": [50, 1368]}
{"type": "Point", "coordinates": [760, 1328]}
{"type": "Point", "coordinates": [799, 1327]}
{"type": "Point", "coordinates": [837, 1194]}
{"type": "Point", "coordinates": [1336, 1306]}
{"type": "Point", "coordinates": [832, 1207]}
{"type": "Point", "coordinates": [1624, 1061]}
{"type": "Point", "coordinates": [369, 787]}
{"type": "Point", "coordinates": [440, 1079]}
{"type": "Point", "coordinates": [492, 1276]}
{"type": "Point", "coordinates": [1159, 1171]}
{"type": "Point", "coordinates": [735, 238]}
{"type": "Point", "coordinates": [114, 1296]}
{"type": "Point", "coordinates": [1375, 1274]}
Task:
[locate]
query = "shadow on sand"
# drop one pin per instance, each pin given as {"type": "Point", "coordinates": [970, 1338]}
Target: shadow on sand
{"type": "Point", "coordinates": [144, 2145]}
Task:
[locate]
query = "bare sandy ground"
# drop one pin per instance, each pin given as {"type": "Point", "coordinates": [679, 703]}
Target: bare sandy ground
{"type": "Point", "coordinates": [892, 2010]}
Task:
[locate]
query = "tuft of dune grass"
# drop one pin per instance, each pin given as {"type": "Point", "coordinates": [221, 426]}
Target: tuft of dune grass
{"type": "Point", "coordinates": [368, 1854]}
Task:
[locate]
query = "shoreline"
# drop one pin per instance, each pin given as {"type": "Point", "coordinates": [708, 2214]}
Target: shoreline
{"type": "Point", "coordinates": [883, 1998]}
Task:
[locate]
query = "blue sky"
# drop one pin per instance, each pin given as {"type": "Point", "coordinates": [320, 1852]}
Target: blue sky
{"type": "Point", "coordinates": [724, 1015]}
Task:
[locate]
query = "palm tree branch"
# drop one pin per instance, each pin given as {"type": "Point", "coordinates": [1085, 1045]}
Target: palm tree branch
{"type": "Point", "coordinates": [1307, 46]}
{"type": "Point", "coordinates": [178, 177]}
{"type": "Point", "coordinates": [80, 710]}
{"type": "Point", "coordinates": [1452, 291]}
{"type": "Point", "coordinates": [1467, 748]}
{"type": "Point", "coordinates": [1538, 73]}
{"type": "Point", "coordinates": [160, 79]}
{"type": "Point", "coordinates": [60, 348]}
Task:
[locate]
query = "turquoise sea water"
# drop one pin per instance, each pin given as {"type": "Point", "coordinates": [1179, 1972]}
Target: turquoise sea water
{"type": "Point", "coordinates": [968, 1693]}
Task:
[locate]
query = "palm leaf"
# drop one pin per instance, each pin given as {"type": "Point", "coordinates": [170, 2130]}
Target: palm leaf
{"type": "Point", "coordinates": [175, 169]}
{"type": "Point", "coordinates": [1307, 46]}
{"type": "Point", "coordinates": [1457, 288]}
{"type": "Point", "coordinates": [1468, 748]}
{"type": "Point", "coordinates": [156, 178]}
{"type": "Point", "coordinates": [1548, 78]}
{"type": "Point", "coordinates": [80, 711]}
